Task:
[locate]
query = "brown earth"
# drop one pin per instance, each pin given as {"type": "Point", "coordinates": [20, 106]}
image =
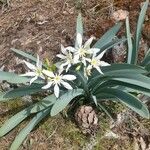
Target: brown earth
{"type": "Point", "coordinates": [39, 26]}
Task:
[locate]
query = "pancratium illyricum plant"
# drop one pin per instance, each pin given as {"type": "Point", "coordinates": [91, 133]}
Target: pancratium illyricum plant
{"type": "Point", "coordinates": [80, 77]}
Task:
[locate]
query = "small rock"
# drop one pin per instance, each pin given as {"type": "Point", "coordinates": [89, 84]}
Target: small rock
{"type": "Point", "coordinates": [120, 15]}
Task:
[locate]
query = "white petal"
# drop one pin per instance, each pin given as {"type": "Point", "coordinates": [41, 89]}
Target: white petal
{"type": "Point", "coordinates": [88, 43]}
{"type": "Point", "coordinates": [30, 74]}
{"type": "Point", "coordinates": [99, 70]}
{"type": "Point", "coordinates": [37, 61]}
{"type": "Point", "coordinates": [63, 49]}
{"type": "Point", "coordinates": [101, 55]}
{"type": "Point", "coordinates": [88, 59]}
{"type": "Point", "coordinates": [42, 76]}
{"type": "Point", "coordinates": [71, 49]}
{"type": "Point", "coordinates": [66, 85]}
{"type": "Point", "coordinates": [29, 65]}
{"type": "Point", "coordinates": [84, 61]}
{"type": "Point", "coordinates": [63, 65]}
{"type": "Point", "coordinates": [48, 85]}
{"type": "Point", "coordinates": [69, 65]}
{"type": "Point", "coordinates": [61, 56]}
{"type": "Point", "coordinates": [89, 67]}
{"type": "Point", "coordinates": [94, 50]}
{"type": "Point", "coordinates": [103, 63]}
{"type": "Point", "coordinates": [69, 77]}
{"type": "Point", "coordinates": [76, 58]}
{"type": "Point", "coordinates": [49, 73]}
{"type": "Point", "coordinates": [33, 79]}
{"type": "Point", "coordinates": [79, 39]}
{"type": "Point", "coordinates": [56, 90]}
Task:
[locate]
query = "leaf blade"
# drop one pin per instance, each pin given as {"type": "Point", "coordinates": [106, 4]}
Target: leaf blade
{"type": "Point", "coordinates": [130, 101]}
{"type": "Point", "coordinates": [64, 100]}
{"type": "Point", "coordinates": [24, 132]}
{"type": "Point", "coordinates": [108, 36]}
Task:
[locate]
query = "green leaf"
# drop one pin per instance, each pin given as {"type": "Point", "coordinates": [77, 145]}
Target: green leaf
{"type": "Point", "coordinates": [64, 100]}
{"type": "Point", "coordinates": [138, 32]}
{"type": "Point", "coordinates": [130, 101]}
{"type": "Point", "coordinates": [112, 44]}
{"type": "Point", "coordinates": [44, 103]}
{"type": "Point", "coordinates": [146, 59]}
{"type": "Point", "coordinates": [22, 91]}
{"type": "Point", "coordinates": [24, 54]}
{"type": "Point", "coordinates": [94, 99]}
{"type": "Point", "coordinates": [20, 116]}
{"type": "Point", "coordinates": [23, 133]}
{"type": "Point", "coordinates": [12, 77]}
{"type": "Point", "coordinates": [108, 36]}
{"type": "Point", "coordinates": [123, 67]}
{"type": "Point", "coordinates": [124, 86]}
{"type": "Point", "coordinates": [139, 80]}
{"type": "Point", "coordinates": [79, 27]}
{"type": "Point", "coordinates": [129, 39]}
{"type": "Point", "coordinates": [115, 70]}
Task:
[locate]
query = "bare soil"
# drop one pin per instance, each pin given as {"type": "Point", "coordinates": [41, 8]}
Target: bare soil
{"type": "Point", "coordinates": [39, 26]}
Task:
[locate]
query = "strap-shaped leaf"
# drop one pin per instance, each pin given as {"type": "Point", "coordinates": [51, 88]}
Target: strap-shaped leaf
{"type": "Point", "coordinates": [124, 86]}
{"type": "Point", "coordinates": [138, 32]}
{"type": "Point", "coordinates": [79, 27]}
{"type": "Point", "coordinates": [126, 67]}
{"type": "Point", "coordinates": [20, 116]}
{"type": "Point", "coordinates": [118, 68]}
{"type": "Point", "coordinates": [129, 100]}
{"type": "Point", "coordinates": [115, 70]}
{"type": "Point", "coordinates": [112, 44]}
{"type": "Point", "coordinates": [64, 100]}
{"type": "Point", "coordinates": [146, 59]}
{"type": "Point", "coordinates": [21, 91]}
{"type": "Point", "coordinates": [108, 36]}
{"type": "Point", "coordinates": [139, 80]}
{"type": "Point", "coordinates": [24, 54]}
{"type": "Point", "coordinates": [129, 39]}
{"type": "Point", "coordinates": [12, 77]}
{"type": "Point", "coordinates": [23, 133]}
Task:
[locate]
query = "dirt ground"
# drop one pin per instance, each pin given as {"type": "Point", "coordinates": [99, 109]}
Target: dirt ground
{"type": "Point", "coordinates": [40, 26]}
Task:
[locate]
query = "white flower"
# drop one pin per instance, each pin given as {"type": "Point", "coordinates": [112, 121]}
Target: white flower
{"type": "Point", "coordinates": [57, 80]}
{"type": "Point", "coordinates": [36, 70]}
{"type": "Point", "coordinates": [96, 63]}
{"type": "Point", "coordinates": [82, 51]}
{"type": "Point", "coordinates": [66, 56]}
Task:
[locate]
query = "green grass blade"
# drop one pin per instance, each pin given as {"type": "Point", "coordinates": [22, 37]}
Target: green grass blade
{"type": "Point", "coordinates": [108, 36]}
{"type": "Point", "coordinates": [138, 32]}
{"type": "Point", "coordinates": [64, 100]}
{"type": "Point", "coordinates": [129, 41]}
{"type": "Point", "coordinates": [23, 133]}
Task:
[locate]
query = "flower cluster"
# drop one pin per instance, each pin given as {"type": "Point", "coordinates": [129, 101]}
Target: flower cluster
{"type": "Point", "coordinates": [81, 53]}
